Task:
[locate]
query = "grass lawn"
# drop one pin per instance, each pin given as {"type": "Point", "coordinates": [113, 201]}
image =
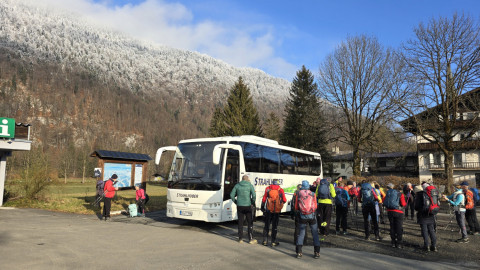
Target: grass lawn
{"type": "Point", "coordinates": [75, 197]}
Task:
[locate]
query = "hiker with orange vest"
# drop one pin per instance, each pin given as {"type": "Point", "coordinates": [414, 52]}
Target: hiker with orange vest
{"type": "Point", "coordinates": [272, 204]}
{"type": "Point", "coordinates": [470, 212]}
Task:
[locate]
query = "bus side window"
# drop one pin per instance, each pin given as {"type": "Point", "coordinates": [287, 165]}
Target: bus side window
{"type": "Point", "coordinates": [232, 172]}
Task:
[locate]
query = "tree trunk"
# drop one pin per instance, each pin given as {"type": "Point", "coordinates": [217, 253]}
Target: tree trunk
{"type": "Point", "coordinates": [449, 170]}
{"type": "Point", "coordinates": [356, 162]}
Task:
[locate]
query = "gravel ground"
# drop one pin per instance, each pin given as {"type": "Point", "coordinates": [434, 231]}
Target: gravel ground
{"type": "Point", "coordinates": [466, 254]}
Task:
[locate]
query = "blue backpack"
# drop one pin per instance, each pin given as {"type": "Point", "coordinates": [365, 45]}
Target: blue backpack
{"type": "Point", "coordinates": [324, 189]}
{"type": "Point", "coordinates": [476, 196]}
{"type": "Point", "coordinates": [341, 198]}
{"type": "Point", "coordinates": [367, 194]}
{"type": "Point", "coordinates": [392, 199]}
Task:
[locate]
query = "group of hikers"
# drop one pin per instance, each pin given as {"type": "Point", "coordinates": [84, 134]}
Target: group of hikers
{"type": "Point", "coordinates": [105, 190]}
{"type": "Point", "coordinates": [313, 205]}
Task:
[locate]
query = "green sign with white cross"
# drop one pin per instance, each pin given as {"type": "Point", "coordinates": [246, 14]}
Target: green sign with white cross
{"type": "Point", "coordinates": [7, 127]}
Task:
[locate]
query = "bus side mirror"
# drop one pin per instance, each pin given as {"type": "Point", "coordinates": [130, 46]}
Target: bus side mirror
{"type": "Point", "coordinates": [160, 152]}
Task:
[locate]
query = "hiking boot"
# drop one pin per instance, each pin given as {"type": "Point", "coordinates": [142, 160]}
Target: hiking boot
{"type": "Point", "coordinates": [345, 233]}
{"type": "Point", "coordinates": [367, 238]}
{"type": "Point", "coordinates": [393, 245]}
{"type": "Point", "coordinates": [337, 232]}
{"type": "Point", "coordinates": [426, 249]}
{"type": "Point", "coordinates": [276, 243]}
{"type": "Point", "coordinates": [476, 233]}
{"type": "Point", "coordinates": [378, 238]}
{"type": "Point", "coordinates": [264, 243]}
{"type": "Point", "coordinates": [433, 248]}
{"type": "Point", "coordinates": [399, 246]}
{"type": "Point", "coordinates": [462, 240]}
{"type": "Point", "coordinates": [316, 255]}
{"type": "Point", "coordinates": [240, 241]}
{"type": "Point", "coordinates": [253, 241]}
{"type": "Point", "coordinates": [299, 255]}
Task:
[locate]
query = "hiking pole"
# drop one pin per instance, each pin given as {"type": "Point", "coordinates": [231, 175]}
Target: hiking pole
{"type": "Point", "coordinates": [99, 199]}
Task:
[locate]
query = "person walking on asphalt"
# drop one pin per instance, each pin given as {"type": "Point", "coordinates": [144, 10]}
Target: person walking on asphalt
{"type": "Point", "coordinates": [295, 215]}
{"type": "Point", "coordinates": [109, 191]}
{"type": "Point", "coordinates": [426, 221]}
{"type": "Point", "coordinates": [457, 200]}
{"type": "Point", "coordinates": [272, 204]}
{"type": "Point", "coordinates": [243, 195]}
{"type": "Point", "coordinates": [305, 205]}
{"type": "Point", "coordinates": [410, 198]}
{"type": "Point", "coordinates": [325, 193]}
{"type": "Point", "coordinates": [341, 205]}
{"type": "Point", "coordinates": [393, 202]}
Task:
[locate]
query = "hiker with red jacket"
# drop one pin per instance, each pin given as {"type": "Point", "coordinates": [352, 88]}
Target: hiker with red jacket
{"type": "Point", "coordinates": [272, 204]}
{"type": "Point", "coordinates": [109, 191]}
{"type": "Point", "coordinates": [426, 220]}
{"type": "Point", "coordinates": [394, 200]}
{"type": "Point", "coordinates": [305, 206]}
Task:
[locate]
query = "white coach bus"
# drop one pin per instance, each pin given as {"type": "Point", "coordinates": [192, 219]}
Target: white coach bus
{"type": "Point", "coordinates": [204, 172]}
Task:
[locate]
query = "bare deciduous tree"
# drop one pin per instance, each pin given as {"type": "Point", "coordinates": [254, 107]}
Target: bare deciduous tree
{"type": "Point", "coordinates": [364, 80]}
{"type": "Point", "coordinates": [444, 63]}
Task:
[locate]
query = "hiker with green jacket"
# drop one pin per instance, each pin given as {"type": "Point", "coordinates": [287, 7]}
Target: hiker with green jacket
{"type": "Point", "coordinates": [243, 195]}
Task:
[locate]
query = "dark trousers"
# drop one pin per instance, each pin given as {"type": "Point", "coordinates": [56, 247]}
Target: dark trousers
{"type": "Point", "coordinates": [369, 210]}
{"type": "Point", "coordinates": [471, 217]}
{"type": "Point", "coordinates": [380, 208]}
{"type": "Point", "coordinates": [341, 218]}
{"type": "Point", "coordinates": [107, 204]}
{"type": "Point", "coordinates": [428, 233]}
{"type": "Point", "coordinates": [141, 206]}
{"type": "Point", "coordinates": [313, 228]}
{"type": "Point", "coordinates": [410, 205]}
{"type": "Point", "coordinates": [297, 231]}
{"type": "Point", "coordinates": [355, 205]}
{"type": "Point", "coordinates": [270, 218]}
{"type": "Point", "coordinates": [245, 212]}
{"type": "Point", "coordinates": [396, 227]}
{"type": "Point", "coordinates": [324, 214]}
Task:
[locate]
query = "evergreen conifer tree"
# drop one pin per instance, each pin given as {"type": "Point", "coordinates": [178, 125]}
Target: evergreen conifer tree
{"type": "Point", "coordinates": [304, 121]}
{"type": "Point", "coordinates": [239, 116]}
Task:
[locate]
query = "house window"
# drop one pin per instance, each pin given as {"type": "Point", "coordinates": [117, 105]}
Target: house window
{"type": "Point", "coordinates": [437, 159]}
{"type": "Point", "coordinates": [382, 163]}
{"type": "Point", "coordinates": [426, 160]}
{"type": "Point", "coordinates": [457, 158]}
{"type": "Point", "coordinates": [342, 166]}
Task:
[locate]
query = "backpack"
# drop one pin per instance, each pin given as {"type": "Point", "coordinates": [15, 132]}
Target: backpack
{"type": "Point", "coordinates": [476, 196]}
{"type": "Point", "coordinates": [469, 202]}
{"type": "Point", "coordinates": [368, 196]}
{"type": "Point", "coordinates": [430, 200]}
{"type": "Point", "coordinates": [100, 185]}
{"type": "Point", "coordinates": [324, 189]}
{"type": "Point", "coordinates": [341, 198]}
{"type": "Point", "coordinates": [307, 204]}
{"type": "Point", "coordinates": [392, 199]}
{"type": "Point", "coordinates": [274, 201]}
{"type": "Point", "coordinates": [352, 192]}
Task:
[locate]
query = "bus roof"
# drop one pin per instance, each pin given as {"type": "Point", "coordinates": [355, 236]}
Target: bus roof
{"type": "Point", "coordinates": [251, 139]}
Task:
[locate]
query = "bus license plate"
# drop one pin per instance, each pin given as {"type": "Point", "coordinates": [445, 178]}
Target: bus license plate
{"type": "Point", "coordinates": [186, 213]}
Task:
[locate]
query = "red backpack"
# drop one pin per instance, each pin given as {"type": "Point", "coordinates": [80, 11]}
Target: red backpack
{"type": "Point", "coordinates": [430, 200]}
{"type": "Point", "coordinates": [307, 202]}
{"type": "Point", "coordinates": [274, 201]}
{"type": "Point", "coordinates": [469, 202]}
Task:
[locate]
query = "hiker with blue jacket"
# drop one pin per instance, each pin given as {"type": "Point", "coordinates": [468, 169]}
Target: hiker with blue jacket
{"type": "Point", "coordinates": [368, 197]}
{"type": "Point", "coordinates": [457, 200]}
{"type": "Point", "coordinates": [394, 201]}
{"type": "Point", "coordinates": [341, 206]}
{"type": "Point", "coordinates": [325, 193]}
{"type": "Point", "coordinates": [305, 206]}
{"type": "Point", "coordinates": [243, 195]}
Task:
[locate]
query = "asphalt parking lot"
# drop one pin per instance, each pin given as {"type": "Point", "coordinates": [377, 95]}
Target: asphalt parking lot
{"type": "Point", "coordinates": [38, 239]}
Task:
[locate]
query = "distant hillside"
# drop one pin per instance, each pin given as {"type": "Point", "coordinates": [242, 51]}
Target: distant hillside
{"type": "Point", "coordinates": [85, 88]}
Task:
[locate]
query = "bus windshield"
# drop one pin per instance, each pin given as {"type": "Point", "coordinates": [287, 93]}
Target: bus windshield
{"type": "Point", "coordinates": [193, 169]}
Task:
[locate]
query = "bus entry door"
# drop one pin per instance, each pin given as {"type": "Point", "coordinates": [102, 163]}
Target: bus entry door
{"type": "Point", "coordinates": [232, 173]}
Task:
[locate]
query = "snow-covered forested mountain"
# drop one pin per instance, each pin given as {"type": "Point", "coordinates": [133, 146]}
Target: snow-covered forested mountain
{"type": "Point", "coordinates": [58, 37]}
{"type": "Point", "coordinates": [84, 88]}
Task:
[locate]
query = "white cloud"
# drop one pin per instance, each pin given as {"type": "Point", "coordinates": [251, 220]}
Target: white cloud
{"type": "Point", "coordinates": [172, 24]}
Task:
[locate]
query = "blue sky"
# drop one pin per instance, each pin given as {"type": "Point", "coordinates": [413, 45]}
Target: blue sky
{"type": "Point", "coordinates": [277, 37]}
